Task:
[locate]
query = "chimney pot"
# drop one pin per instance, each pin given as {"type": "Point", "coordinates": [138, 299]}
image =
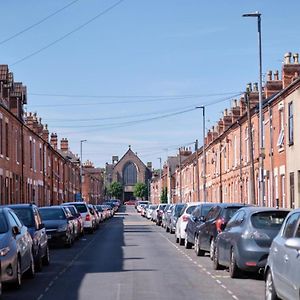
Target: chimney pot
{"type": "Point", "coordinates": [276, 75]}
{"type": "Point", "coordinates": [255, 87]}
{"type": "Point", "coordinates": [287, 58]}
{"type": "Point", "coordinates": [269, 75]}
{"type": "Point", "coordinates": [249, 87]}
{"type": "Point", "coordinates": [296, 58]}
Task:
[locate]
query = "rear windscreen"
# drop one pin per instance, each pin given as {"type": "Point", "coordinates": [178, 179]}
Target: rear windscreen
{"type": "Point", "coordinates": [52, 214]}
{"type": "Point", "coordinates": [3, 224]}
{"type": "Point", "coordinates": [268, 219]}
{"type": "Point", "coordinates": [178, 209]}
{"type": "Point", "coordinates": [81, 207]}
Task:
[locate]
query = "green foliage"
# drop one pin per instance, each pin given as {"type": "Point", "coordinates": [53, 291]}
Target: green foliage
{"type": "Point", "coordinates": [115, 190]}
{"type": "Point", "coordinates": [164, 195]}
{"type": "Point", "coordinates": [140, 190]}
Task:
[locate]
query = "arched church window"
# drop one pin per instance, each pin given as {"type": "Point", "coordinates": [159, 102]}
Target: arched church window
{"type": "Point", "coordinates": [130, 174]}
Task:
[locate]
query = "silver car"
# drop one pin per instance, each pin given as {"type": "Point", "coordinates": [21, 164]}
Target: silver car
{"type": "Point", "coordinates": [282, 269]}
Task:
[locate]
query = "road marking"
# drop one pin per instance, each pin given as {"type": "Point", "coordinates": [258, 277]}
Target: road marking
{"type": "Point", "coordinates": [203, 269]}
{"type": "Point", "coordinates": [118, 291]}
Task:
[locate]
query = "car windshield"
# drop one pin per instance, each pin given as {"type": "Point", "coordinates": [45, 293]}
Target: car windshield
{"type": "Point", "coordinates": [72, 210]}
{"type": "Point", "coordinates": [80, 207]}
{"type": "Point", "coordinates": [230, 211]}
{"type": "Point", "coordinates": [3, 224]}
{"type": "Point", "coordinates": [178, 209]}
{"type": "Point", "coordinates": [52, 214]}
{"type": "Point", "coordinates": [190, 209]}
{"type": "Point", "coordinates": [205, 209]}
{"type": "Point", "coordinates": [268, 219]}
{"type": "Point", "coordinates": [153, 206]}
{"type": "Point", "coordinates": [25, 215]}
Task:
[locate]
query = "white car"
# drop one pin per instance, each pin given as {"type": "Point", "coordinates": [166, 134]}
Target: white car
{"type": "Point", "coordinates": [150, 210]}
{"type": "Point", "coordinates": [180, 233]}
{"type": "Point", "coordinates": [88, 223]}
{"type": "Point", "coordinates": [139, 205]}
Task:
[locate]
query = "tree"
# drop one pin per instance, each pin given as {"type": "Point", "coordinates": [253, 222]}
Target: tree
{"type": "Point", "coordinates": [115, 190]}
{"type": "Point", "coordinates": [164, 195]}
{"type": "Point", "coordinates": [140, 190]}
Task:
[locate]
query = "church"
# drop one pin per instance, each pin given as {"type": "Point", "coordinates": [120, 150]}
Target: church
{"type": "Point", "coordinates": [128, 171]}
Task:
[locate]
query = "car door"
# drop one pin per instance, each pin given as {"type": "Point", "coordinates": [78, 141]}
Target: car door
{"type": "Point", "coordinates": [280, 263]}
{"type": "Point", "coordinates": [22, 240]}
{"type": "Point", "coordinates": [223, 240]}
{"type": "Point", "coordinates": [192, 223]}
{"type": "Point", "coordinates": [41, 231]}
{"type": "Point", "coordinates": [210, 228]}
{"type": "Point", "coordinates": [291, 260]}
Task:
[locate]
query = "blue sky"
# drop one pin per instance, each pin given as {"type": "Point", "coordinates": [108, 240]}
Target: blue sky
{"type": "Point", "coordinates": [141, 60]}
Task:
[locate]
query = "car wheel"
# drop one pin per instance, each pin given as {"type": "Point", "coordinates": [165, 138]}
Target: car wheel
{"type": "Point", "coordinates": [198, 251]}
{"type": "Point", "coordinates": [18, 281]}
{"type": "Point", "coordinates": [176, 239]}
{"type": "Point", "coordinates": [234, 271]}
{"type": "Point", "coordinates": [46, 258]}
{"type": "Point", "coordinates": [216, 264]}
{"type": "Point", "coordinates": [181, 241]}
{"type": "Point", "coordinates": [212, 249]}
{"type": "Point", "coordinates": [167, 229]}
{"type": "Point", "coordinates": [187, 244]}
{"type": "Point", "coordinates": [270, 292]}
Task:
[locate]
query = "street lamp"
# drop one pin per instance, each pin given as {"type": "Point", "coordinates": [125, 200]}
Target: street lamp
{"type": "Point", "coordinates": [261, 141]}
{"type": "Point", "coordinates": [203, 152]}
{"type": "Point", "coordinates": [81, 141]}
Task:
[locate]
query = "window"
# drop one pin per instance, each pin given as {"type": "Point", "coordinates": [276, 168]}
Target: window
{"type": "Point", "coordinates": [1, 137]}
{"type": "Point", "coordinates": [130, 174]}
{"type": "Point", "coordinates": [291, 123]}
{"type": "Point", "coordinates": [290, 226]}
{"type": "Point", "coordinates": [280, 140]}
{"type": "Point", "coordinates": [292, 190]}
{"type": "Point", "coordinates": [6, 140]}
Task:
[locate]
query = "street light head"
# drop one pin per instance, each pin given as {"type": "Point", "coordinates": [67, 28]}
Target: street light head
{"type": "Point", "coordinates": [81, 141]}
{"type": "Point", "coordinates": [255, 14]}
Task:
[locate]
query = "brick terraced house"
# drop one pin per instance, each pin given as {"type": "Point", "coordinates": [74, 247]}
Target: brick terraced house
{"type": "Point", "coordinates": [232, 149]}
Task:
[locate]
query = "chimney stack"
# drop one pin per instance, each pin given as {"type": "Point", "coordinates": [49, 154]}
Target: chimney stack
{"type": "Point", "coordinates": [45, 133]}
{"type": "Point", "coordinates": [64, 145]}
{"type": "Point", "coordinates": [53, 140]}
{"type": "Point", "coordinates": [290, 70]}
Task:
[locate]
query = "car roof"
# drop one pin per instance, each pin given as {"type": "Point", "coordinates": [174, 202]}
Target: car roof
{"type": "Point", "coordinates": [254, 209]}
{"type": "Point", "coordinates": [53, 206]}
{"type": "Point", "coordinates": [25, 205]}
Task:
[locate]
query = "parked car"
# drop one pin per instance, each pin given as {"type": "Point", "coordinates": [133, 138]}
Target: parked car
{"type": "Point", "coordinates": [15, 248]}
{"type": "Point", "coordinates": [144, 209]}
{"type": "Point", "coordinates": [130, 202]}
{"type": "Point", "coordinates": [166, 215]}
{"type": "Point", "coordinates": [176, 209]}
{"type": "Point", "coordinates": [180, 233]}
{"type": "Point", "coordinates": [78, 222]}
{"type": "Point", "coordinates": [59, 225]}
{"type": "Point", "coordinates": [159, 214]}
{"type": "Point", "coordinates": [215, 222]}
{"type": "Point", "coordinates": [85, 214]}
{"type": "Point", "coordinates": [30, 216]}
{"type": "Point", "coordinates": [100, 212]}
{"type": "Point", "coordinates": [150, 209]}
{"type": "Point", "coordinates": [244, 244]}
{"type": "Point", "coordinates": [139, 205]}
{"type": "Point", "coordinates": [282, 269]}
{"type": "Point", "coordinates": [195, 220]}
{"type": "Point", "coordinates": [94, 215]}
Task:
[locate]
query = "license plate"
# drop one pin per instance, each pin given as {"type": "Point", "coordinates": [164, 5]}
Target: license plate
{"type": "Point", "coordinates": [49, 236]}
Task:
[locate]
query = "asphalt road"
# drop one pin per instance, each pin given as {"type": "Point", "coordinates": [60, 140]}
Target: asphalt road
{"type": "Point", "coordinates": [130, 258]}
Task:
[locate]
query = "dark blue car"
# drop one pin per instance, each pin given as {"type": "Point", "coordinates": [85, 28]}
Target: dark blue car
{"type": "Point", "coordinates": [30, 217]}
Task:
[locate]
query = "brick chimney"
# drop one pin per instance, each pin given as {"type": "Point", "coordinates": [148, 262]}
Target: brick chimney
{"type": "Point", "coordinates": [64, 145]}
{"type": "Point", "coordinates": [209, 137]}
{"type": "Point", "coordinates": [273, 85]}
{"type": "Point", "coordinates": [149, 165]}
{"type": "Point", "coordinates": [185, 151]}
{"type": "Point", "coordinates": [235, 111]}
{"type": "Point", "coordinates": [29, 120]}
{"type": "Point", "coordinates": [220, 127]}
{"type": "Point", "coordinates": [45, 133]}
{"type": "Point", "coordinates": [227, 119]}
{"type": "Point", "coordinates": [290, 69]}
{"type": "Point", "coordinates": [53, 140]}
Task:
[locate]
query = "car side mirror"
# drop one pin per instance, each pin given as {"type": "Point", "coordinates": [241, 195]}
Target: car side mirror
{"type": "Point", "coordinates": [16, 230]}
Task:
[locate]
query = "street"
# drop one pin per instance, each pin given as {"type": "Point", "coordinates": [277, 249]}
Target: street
{"type": "Point", "coordinates": [131, 258]}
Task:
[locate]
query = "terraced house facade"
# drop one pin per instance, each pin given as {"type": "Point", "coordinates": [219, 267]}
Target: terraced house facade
{"type": "Point", "coordinates": [33, 167]}
{"type": "Point", "coordinates": [232, 149]}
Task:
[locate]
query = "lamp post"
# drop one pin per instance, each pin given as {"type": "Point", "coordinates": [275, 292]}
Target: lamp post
{"type": "Point", "coordinates": [81, 141]}
{"type": "Point", "coordinates": [261, 141]}
{"type": "Point", "coordinates": [203, 152]}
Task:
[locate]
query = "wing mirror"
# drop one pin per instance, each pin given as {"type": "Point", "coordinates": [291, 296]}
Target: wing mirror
{"type": "Point", "coordinates": [16, 230]}
{"type": "Point", "coordinates": [293, 243]}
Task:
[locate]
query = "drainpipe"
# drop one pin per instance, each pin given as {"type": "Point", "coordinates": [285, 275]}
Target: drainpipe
{"type": "Point", "coordinates": [271, 157]}
{"type": "Point", "coordinates": [242, 200]}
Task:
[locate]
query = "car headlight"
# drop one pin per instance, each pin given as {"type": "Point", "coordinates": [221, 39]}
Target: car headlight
{"type": "Point", "coordinates": [4, 251]}
{"type": "Point", "coordinates": [62, 228]}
